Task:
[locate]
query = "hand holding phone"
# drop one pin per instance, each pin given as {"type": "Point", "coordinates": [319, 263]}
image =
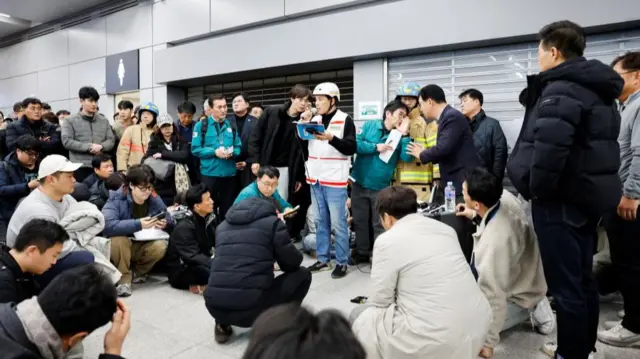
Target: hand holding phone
{"type": "Point", "coordinates": [290, 212]}
{"type": "Point", "coordinates": [159, 216]}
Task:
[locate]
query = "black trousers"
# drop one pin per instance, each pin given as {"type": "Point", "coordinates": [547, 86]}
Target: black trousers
{"type": "Point", "coordinates": [366, 220]}
{"type": "Point", "coordinates": [223, 193]}
{"type": "Point", "coordinates": [567, 237]}
{"type": "Point", "coordinates": [188, 276]}
{"type": "Point", "coordinates": [624, 245]}
{"type": "Point", "coordinates": [287, 287]}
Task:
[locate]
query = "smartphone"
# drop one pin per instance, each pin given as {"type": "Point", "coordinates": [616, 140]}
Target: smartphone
{"type": "Point", "coordinates": [159, 216]}
{"type": "Point", "coordinates": [291, 212]}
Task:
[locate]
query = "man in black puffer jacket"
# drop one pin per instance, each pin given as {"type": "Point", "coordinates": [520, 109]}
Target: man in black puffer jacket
{"type": "Point", "coordinates": [566, 160]}
{"type": "Point", "coordinates": [241, 282]}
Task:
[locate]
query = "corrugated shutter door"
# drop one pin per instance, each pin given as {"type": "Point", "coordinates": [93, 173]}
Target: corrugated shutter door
{"type": "Point", "coordinates": [275, 90]}
{"type": "Point", "coordinates": [498, 72]}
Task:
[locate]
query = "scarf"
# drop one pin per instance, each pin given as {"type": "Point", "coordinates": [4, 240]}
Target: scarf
{"type": "Point", "coordinates": [39, 330]}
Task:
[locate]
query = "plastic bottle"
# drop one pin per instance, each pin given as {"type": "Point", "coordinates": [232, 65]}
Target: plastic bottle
{"type": "Point", "coordinates": [450, 198]}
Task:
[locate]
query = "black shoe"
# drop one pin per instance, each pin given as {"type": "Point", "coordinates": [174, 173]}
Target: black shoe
{"type": "Point", "coordinates": [360, 259]}
{"type": "Point", "coordinates": [319, 267]}
{"type": "Point", "coordinates": [339, 272]}
{"type": "Point", "coordinates": [223, 333]}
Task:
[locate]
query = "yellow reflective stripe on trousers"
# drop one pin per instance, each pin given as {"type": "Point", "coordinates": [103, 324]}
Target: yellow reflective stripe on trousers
{"type": "Point", "coordinates": [416, 177]}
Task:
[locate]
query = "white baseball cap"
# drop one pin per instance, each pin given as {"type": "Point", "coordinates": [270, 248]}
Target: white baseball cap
{"type": "Point", "coordinates": [56, 163]}
{"type": "Point", "coordinates": [164, 119]}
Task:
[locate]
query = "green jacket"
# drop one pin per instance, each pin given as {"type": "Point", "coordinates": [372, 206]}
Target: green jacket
{"type": "Point", "coordinates": [253, 191]}
{"type": "Point", "coordinates": [217, 135]}
{"type": "Point", "coordinates": [369, 171]}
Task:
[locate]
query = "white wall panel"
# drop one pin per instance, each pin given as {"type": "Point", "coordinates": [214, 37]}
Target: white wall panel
{"type": "Point", "coordinates": [4, 63]}
{"type": "Point", "coordinates": [160, 98]}
{"type": "Point", "coordinates": [298, 6]}
{"type": "Point", "coordinates": [88, 41]}
{"type": "Point", "coordinates": [107, 107]}
{"type": "Point", "coordinates": [23, 58]}
{"type": "Point", "coordinates": [165, 13]}
{"type": "Point", "coordinates": [146, 68]}
{"type": "Point", "coordinates": [88, 73]}
{"type": "Point", "coordinates": [146, 95]}
{"type": "Point", "coordinates": [231, 13]}
{"type": "Point", "coordinates": [69, 105]}
{"type": "Point", "coordinates": [52, 50]}
{"type": "Point", "coordinates": [130, 29]}
{"type": "Point", "coordinates": [23, 87]}
{"type": "Point", "coordinates": [53, 84]}
{"type": "Point", "coordinates": [6, 98]}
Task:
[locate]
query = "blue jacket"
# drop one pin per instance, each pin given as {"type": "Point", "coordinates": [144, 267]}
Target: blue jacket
{"type": "Point", "coordinates": [217, 136]}
{"type": "Point", "coordinates": [13, 185]}
{"type": "Point", "coordinates": [369, 171]}
{"type": "Point", "coordinates": [118, 213]}
{"type": "Point", "coordinates": [253, 191]}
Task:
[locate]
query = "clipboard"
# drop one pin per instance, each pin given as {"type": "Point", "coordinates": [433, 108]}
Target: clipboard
{"type": "Point", "coordinates": [305, 128]}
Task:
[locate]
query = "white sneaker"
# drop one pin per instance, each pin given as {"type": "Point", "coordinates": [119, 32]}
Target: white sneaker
{"type": "Point", "coordinates": [551, 348]}
{"type": "Point", "coordinates": [621, 314]}
{"type": "Point", "coordinates": [619, 336]}
{"type": "Point", "coordinates": [610, 324]}
{"type": "Point", "coordinates": [542, 317]}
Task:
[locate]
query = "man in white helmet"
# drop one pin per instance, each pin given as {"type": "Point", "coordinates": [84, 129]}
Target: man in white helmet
{"type": "Point", "coordinates": [327, 173]}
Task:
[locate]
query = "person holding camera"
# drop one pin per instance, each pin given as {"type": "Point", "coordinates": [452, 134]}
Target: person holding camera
{"type": "Point", "coordinates": [133, 208]}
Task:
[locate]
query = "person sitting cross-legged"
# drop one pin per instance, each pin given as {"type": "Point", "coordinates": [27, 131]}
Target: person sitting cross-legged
{"type": "Point", "coordinates": [191, 242]}
{"type": "Point", "coordinates": [266, 186]}
{"type": "Point", "coordinates": [129, 210]}
{"type": "Point", "coordinates": [506, 257]}
{"type": "Point", "coordinates": [53, 324]}
{"type": "Point", "coordinates": [241, 282]}
{"type": "Point", "coordinates": [36, 249]}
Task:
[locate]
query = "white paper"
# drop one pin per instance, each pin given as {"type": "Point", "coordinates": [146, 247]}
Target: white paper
{"type": "Point", "coordinates": [393, 140]}
{"type": "Point", "coordinates": [151, 234]}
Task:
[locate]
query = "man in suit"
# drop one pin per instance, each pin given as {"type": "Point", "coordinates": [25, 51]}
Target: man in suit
{"type": "Point", "coordinates": [243, 122]}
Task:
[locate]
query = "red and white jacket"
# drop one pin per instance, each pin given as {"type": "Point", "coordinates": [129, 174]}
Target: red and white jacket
{"type": "Point", "coordinates": [327, 165]}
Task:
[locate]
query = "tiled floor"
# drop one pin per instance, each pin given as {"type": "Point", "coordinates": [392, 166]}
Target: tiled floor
{"type": "Point", "coordinates": [168, 323]}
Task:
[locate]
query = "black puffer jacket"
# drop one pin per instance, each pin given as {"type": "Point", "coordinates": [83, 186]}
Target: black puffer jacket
{"type": "Point", "coordinates": [15, 285]}
{"type": "Point", "coordinates": [191, 242]}
{"type": "Point", "coordinates": [490, 143]}
{"type": "Point", "coordinates": [248, 243]}
{"type": "Point", "coordinates": [568, 149]}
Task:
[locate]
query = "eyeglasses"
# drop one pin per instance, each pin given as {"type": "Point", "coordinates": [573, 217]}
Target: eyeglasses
{"type": "Point", "coordinates": [269, 185]}
{"type": "Point", "coordinates": [32, 154]}
{"type": "Point", "coordinates": [145, 188]}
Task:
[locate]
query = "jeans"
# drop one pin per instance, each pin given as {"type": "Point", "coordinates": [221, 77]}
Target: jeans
{"type": "Point", "coordinates": [567, 238]}
{"type": "Point", "coordinates": [71, 260]}
{"type": "Point", "coordinates": [365, 218]}
{"type": "Point", "coordinates": [285, 288]}
{"type": "Point", "coordinates": [624, 245]}
{"type": "Point", "coordinates": [331, 216]}
{"type": "Point", "coordinates": [223, 193]}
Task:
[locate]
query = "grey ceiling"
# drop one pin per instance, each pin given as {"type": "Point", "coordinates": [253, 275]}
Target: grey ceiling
{"type": "Point", "coordinates": [39, 11]}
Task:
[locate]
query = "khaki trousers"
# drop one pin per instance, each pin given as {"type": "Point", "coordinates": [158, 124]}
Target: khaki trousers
{"type": "Point", "coordinates": [126, 253]}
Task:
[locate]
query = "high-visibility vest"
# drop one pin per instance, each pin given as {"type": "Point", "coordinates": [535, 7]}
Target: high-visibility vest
{"type": "Point", "coordinates": [327, 165]}
{"type": "Point", "coordinates": [415, 172]}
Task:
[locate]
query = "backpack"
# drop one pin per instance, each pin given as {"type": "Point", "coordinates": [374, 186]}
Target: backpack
{"type": "Point", "coordinates": [205, 127]}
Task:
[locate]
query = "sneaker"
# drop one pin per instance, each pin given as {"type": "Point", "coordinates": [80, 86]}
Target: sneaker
{"type": "Point", "coordinates": [619, 336]}
{"type": "Point", "coordinates": [339, 272]}
{"type": "Point", "coordinates": [139, 279]}
{"type": "Point", "coordinates": [542, 318]}
{"type": "Point", "coordinates": [551, 348]}
{"type": "Point", "coordinates": [610, 324]}
{"type": "Point", "coordinates": [123, 290]}
{"type": "Point", "coordinates": [621, 314]}
{"type": "Point", "coordinates": [223, 333]}
{"type": "Point", "coordinates": [320, 267]}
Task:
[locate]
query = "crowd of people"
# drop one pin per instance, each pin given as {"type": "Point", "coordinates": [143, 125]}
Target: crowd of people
{"type": "Point", "coordinates": [218, 203]}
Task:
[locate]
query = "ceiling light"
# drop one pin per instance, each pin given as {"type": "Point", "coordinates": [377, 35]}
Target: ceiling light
{"type": "Point", "coordinates": [4, 15]}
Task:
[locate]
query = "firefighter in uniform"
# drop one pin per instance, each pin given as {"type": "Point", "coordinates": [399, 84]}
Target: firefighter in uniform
{"type": "Point", "coordinates": [415, 175]}
{"type": "Point", "coordinates": [328, 168]}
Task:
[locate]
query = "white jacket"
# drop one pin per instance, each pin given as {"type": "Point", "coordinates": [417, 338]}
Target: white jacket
{"type": "Point", "coordinates": [426, 303]}
{"type": "Point", "coordinates": [83, 221]}
{"type": "Point", "coordinates": [508, 261]}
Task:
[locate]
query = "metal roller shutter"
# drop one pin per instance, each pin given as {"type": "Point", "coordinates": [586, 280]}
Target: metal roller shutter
{"type": "Point", "coordinates": [498, 72]}
{"type": "Point", "coordinates": [275, 90]}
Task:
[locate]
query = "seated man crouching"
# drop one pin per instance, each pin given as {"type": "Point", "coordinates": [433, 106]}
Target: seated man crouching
{"type": "Point", "coordinates": [506, 257]}
{"type": "Point", "coordinates": [266, 186]}
{"type": "Point", "coordinates": [241, 283]}
{"type": "Point", "coordinates": [192, 241]}
{"type": "Point", "coordinates": [129, 210]}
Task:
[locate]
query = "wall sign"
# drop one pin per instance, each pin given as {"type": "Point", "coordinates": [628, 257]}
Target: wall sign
{"type": "Point", "coordinates": [123, 72]}
{"type": "Point", "coordinates": [370, 110]}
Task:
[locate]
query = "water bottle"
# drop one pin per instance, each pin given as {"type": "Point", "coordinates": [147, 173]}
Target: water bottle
{"type": "Point", "coordinates": [450, 198]}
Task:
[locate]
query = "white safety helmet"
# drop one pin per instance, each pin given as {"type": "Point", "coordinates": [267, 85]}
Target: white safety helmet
{"type": "Point", "coordinates": [327, 89]}
{"type": "Point", "coordinates": [205, 106]}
